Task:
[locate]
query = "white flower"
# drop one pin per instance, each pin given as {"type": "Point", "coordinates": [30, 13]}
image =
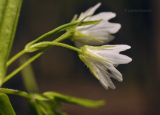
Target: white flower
{"type": "Point", "coordinates": [101, 61]}
{"type": "Point", "coordinates": [97, 34]}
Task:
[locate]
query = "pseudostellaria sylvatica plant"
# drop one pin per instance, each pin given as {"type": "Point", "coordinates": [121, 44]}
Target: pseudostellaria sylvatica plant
{"type": "Point", "coordinates": [91, 35]}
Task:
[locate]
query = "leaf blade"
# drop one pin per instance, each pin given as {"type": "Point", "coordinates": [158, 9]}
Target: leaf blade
{"type": "Point", "coordinates": [9, 14]}
{"type": "Point", "coordinates": [5, 105]}
{"type": "Point", "coordinates": [74, 100]}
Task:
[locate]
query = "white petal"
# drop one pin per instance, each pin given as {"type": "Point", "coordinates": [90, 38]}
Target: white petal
{"type": "Point", "coordinates": [114, 73]}
{"type": "Point", "coordinates": [110, 54]}
{"type": "Point", "coordinates": [102, 39]}
{"type": "Point", "coordinates": [107, 82]}
{"type": "Point", "coordinates": [115, 58]}
{"type": "Point", "coordinates": [100, 33]}
{"type": "Point", "coordinates": [117, 48]}
{"type": "Point", "coordinates": [104, 24]}
{"type": "Point", "coordinates": [89, 12]}
{"type": "Point", "coordinates": [94, 38]}
{"type": "Point", "coordinates": [113, 27]}
{"type": "Point", "coordinates": [102, 16]}
{"type": "Point", "coordinates": [104, 77]}
{"type": "Point", "coordinates": [103, 28]}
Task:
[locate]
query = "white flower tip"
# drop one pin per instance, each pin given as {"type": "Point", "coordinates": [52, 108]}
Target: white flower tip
{"type": "Point", "coordinates": [112, 87]}
{"type": "Point", "coordinates": [122, 47]}
{"type": "Point", "coordinates": [128, 60]}
{"type": "Point", "coordinates": [89, 12]}
{"type": "Point", "coordinates": [97, 5]}
{"type": "Point", "coordinates": [127, 47]}
{"type": "Point", "coordinates": [109, 86]}
{"type": "Point", "coordinates": [120, 80]}
{"type": "Point", "coordinates": [123, 59]}
{"type": "Point", "coordinates": [110, 15]}
{"type": "Point", "coordinates": [118, 77]}
{"type": "Point", "coordinates": [92, 9]}
{"type": "Point", "coordinates": [116, 27]}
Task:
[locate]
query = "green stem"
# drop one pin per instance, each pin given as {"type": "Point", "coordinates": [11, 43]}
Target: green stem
{"type": "Point", "coordinates": [14, 92]}
{"type": "Point", "coordinates": [12, 74]}
{"type": "Point", "coordinates": [47, 44]}
{"type": "Point", "coordinates": [22, 52]}
{"type": "Point", "coordinates": [67, 46]}
{"type": "Point", "coordinates": [64, 36]}
{"type": "Point", "coordinates": [8, 77]}
{"type": "Point", "coordinates": [54, 31]}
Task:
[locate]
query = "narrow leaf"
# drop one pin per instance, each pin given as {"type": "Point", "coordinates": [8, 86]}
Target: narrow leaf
{"type": "Point", "coordinates": [28, 76]}
{"type": "Point", "coordinates": [2, 8]}
{"type": "Point", "coordinates": [9, 14]}
{"type": "Point", "coordinates": [73, 100]}
{"type": "Point", "coordinates": [5, 105]}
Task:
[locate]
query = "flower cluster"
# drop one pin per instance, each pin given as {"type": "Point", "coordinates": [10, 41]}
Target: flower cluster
{"type": "Point", "coordinates": [100, 59]}
{"type": "Point", "coordinates": [90, 33]}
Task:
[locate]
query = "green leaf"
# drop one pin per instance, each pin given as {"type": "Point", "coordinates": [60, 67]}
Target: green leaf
{"type": "Point", "coordinates": [28, 76]}
{"type": "Point", "coordinates": [9, 14]}
{"type": "Point", "coordinates": [43, 107]}
{"type": "Point", "coordinates": [73, 100]}
{"type": "Point", "coordinates": [5, 105]}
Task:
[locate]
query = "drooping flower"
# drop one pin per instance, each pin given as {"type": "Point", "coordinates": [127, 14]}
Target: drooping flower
{"type": "Point", "coordinates": [102, 60]}
{"type": "Point", "coordinates": [99, 33]}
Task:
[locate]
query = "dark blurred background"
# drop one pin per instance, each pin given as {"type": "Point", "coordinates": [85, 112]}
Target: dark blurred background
{"type": "Point", "coordinates": [61, 70]}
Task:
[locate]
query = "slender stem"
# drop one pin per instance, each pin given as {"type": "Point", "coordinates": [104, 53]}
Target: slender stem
{"type": "Point", "coordinates": [39, 46]}
{"type": "Point", "coordinates": [8, 77]}
{"type": "Point", "coordinates": [21, 67]}
{"type": "Point", "coordinates": [14, 92]}
{"type": "Point", "coordinates": [22, 52]}
{"type": "Point", "coordinates": [56, 30]}
{"type": "Point", "coordinates": [63, 37]}
{"type": "Point", "coordinates": [67, 46]}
